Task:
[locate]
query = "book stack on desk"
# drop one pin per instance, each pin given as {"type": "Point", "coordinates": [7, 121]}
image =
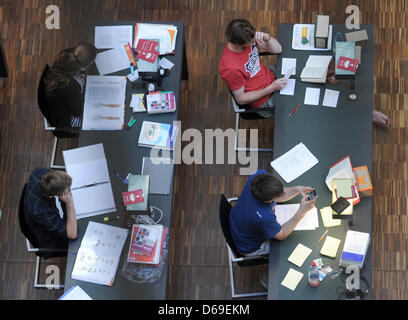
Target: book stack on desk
{"type": "Point", "coordinates": [355, 248]}
{"type": "Point", "coordinates": [161, 102]}
{"type": "Point", "coordinates": [158, 135]}
{"type": "Point", "coordinates": [146, 243]}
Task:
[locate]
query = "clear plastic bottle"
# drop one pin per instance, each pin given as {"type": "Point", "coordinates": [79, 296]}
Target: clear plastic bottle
{"type": "Point", "coordinates": [313, 276]}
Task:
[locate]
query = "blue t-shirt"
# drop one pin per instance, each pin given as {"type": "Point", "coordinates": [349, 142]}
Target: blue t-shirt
{"type": "Point", "coordinates": [251, 221]}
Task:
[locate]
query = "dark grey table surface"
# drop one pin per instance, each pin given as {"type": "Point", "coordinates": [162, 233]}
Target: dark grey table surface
{"type": "Point", "coordinates": [125, 156]}
{"type": "Point", "coordinates": [330, 134]}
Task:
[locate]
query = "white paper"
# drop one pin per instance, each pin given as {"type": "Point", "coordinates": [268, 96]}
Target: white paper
{"type": "Point", "coordinates": [135, 102]}
{"type": "Point", "coordinates": [98, 257]}
{"type": "Point", "coordinates": [284, 212]}
{"type": "Point", "coordinates": [75, 293]}
{"type": "Point", "coordinates": [166, 64]}
{"type": "Point", "coordinates": [104, 106]}
{"type": "Point", "coordinates": [312, 96]}
{"type": "Point", "coordinates": [133, 77]}
{"type": "Point", "coordinates": [289, 90]}
{"type": "Point", "coordinates": [356, 242]}
{"type": "Point", "coordinates": [310, 46]}
{"type": "Point", "coordinates": [294, 163]}
{"type": "Point", "coordinates": [88, 173]}
{"type": "Point", "coordinates": [112, 61]}
{"type": "Point", "coordinates": [107, 37]}
{"type": "Point", "coordinates": [288, 64]}
{"type": "Point", "coordinates": [330, 98]}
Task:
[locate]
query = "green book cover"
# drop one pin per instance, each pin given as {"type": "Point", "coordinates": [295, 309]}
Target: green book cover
{"type": "Point", "coordinates": [345, 49]}
{"type": "Point", "coordinates": [344, 187]}
{"type": "Point", "coordinates": [137, 182]}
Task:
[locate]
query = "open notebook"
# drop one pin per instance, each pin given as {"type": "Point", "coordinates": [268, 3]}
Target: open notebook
{"type": "Point", "coordinates": [91, 188]}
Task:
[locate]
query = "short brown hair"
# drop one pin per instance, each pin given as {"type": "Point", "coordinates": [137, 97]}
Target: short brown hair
{"type": "Point", "coordinates": [240, 32]}
{"type": "Point", "coordinates": [265, 187]}
{"type": "Point", "coordinates": [85, 53]}
{"type": "Point", "coordinates": [54, 182]}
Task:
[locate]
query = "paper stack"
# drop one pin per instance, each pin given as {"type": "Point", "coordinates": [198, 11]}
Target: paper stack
{"type": "Point", "coordinates": [316, 68]}
{"type": "Point", "coordinates": [166, 34]}
{"type": "Point", "coordinates": [355, 248]}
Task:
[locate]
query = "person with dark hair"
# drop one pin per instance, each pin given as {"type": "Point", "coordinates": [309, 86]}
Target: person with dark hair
{"type": "Point", "coordinates": [249, 80]}
{"type": "Point", "coordinates": [52, 228]}
{"type": "Point", "coordinates": [64, 89]}
{"type": "Point", "coordinates": [252, 220]}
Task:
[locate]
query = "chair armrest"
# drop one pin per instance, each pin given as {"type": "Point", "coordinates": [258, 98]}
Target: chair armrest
{"type": "Point", "coordinates": [232, 199]}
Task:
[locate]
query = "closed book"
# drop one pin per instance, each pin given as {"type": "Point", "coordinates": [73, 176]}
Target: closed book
{"type": "Point", "coordinates": [145, 240]}
{"type": "Point", "coordinates": [161, 102]}
{"type": "Point", "coordinates": [154, 257]}
{"type": "Point", "coordinates": [355, 248]}
{"type": "Point", "coordinates": [158, 135]}
{"type": "Point", "coordinates": [347, 50]}
{"type": "Point", "coordinates": [139, 182]}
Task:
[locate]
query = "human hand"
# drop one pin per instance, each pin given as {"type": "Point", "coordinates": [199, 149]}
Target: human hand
{"type": "Point", "coordinates": [279, 84]}
{"type": "Point", "coordinates": [261, 37]}
{"type": "Point", "coordinates": [303, 190]}
{"type": "Point", "coordinates": [306, 205]}
{"type": "Point", "coordinates": [66, 197]}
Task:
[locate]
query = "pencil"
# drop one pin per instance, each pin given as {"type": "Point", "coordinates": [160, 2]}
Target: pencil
{"type": "Point", "coordinates": [327, 230]}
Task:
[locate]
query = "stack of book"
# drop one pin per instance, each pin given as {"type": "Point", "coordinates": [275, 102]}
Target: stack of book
{"type": "Point", "coordinates": [355, 248]}
{"type": "Point", "coordinates": [146, 243]}
{"type": "Point", "coordinates": [161, 102]}
{"type": "Point", "coordinates": [158, 135]}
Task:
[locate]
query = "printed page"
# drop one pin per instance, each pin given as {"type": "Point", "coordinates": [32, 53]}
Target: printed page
{"type": "Point", "coordinates": [104, 106]}
{"type": "Point", "coordinates": [330, 98]}
{"type": "Point", "coordinates": [289, 90]}
{"type": "Point", "coordinates": [288, 64]}
{"type": "Point", "coordinates": [107, 37]}
{"type": "Point", "coordinates": [89, 200]}
{"type": "Point", "coordinates": [294, 163]}
{"type": "Point", "coordinates": [112, 60]}
{"type": "Point", "coordinates": [88, 173]}
{"type": "Point", "coordinates": [312, 96]}
{"type": "Point", "coordinates": [285, 212]}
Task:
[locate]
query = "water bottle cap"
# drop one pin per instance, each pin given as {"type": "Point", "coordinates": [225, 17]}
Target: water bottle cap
{"type": "Point", "coordinates": [313, 264]}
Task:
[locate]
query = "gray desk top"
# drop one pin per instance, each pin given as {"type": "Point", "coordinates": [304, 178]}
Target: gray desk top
{"type": "Point", "coordinates": [330, 134]}
{"type": "Point", "coordinates": [125, 156]}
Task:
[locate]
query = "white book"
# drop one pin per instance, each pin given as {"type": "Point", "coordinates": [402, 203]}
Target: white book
{"type": "Point", "coordinates": [355, 248]}
{"type": "Point", "coordinates": [91, 187]}
{"type": "Point", "coordinates": [294, 163]}
{"type": "Point", "coordinates": [99, 255]}
{"type": "Point", "coordinates": [316, 68]}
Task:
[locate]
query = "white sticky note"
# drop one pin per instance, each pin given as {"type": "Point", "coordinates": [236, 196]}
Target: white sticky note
{"type": "Point", "coordinates": [312, 96]}
{"type": "Point", "coordinates": [330, 98]}
{"type": "Point", "coordinates": [299, 255]}
{"type": "Point", "coordinates": [166, 64]}
{"type": "Point", "coordinates": [289, 90]}
{"type": "Point", "coordinates": [292, 279]}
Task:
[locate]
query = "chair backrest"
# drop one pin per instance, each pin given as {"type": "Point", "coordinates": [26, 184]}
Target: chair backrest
{"type": "Point", "coordinates": [41, 97]}
{"type": "Point", "coordinates": [225, 208]}
{"type": "Point", "coordinates": [25, 229]}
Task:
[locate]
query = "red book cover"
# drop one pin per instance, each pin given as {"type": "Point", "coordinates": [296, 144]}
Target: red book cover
{"type": "Point", "coordinates": [132, 197]}
{"type": "Point", "coordinates": [147, 50]}
{"type": "Point", "coordinates": [347, 64]}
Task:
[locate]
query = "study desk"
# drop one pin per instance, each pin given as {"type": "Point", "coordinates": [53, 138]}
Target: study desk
{"type": "Point", "coordinates": [330, 134]}
{"type": "Point", "coordinates": [125, 156]}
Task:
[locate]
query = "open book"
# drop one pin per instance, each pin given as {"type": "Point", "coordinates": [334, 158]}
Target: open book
{"type": "Point", "coordinates": [91, 188]}
{"type": "Point", "coordinates": [315, 70]}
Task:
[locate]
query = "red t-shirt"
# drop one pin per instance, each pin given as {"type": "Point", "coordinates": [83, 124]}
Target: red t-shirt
{"type": "Point", "coordinates": [245, 69]}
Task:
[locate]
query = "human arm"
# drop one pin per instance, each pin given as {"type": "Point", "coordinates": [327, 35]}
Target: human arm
{"type": "Point", "coordinates": [267, 43]}
{"type": "Point", "coordinates": [72, 229]}
{"type": "Point", "coordinates": [291, 192]}
{"type": "Point", "coordinates": [243, 97]}
{"type": "Point", "coordinates": [288, 226]}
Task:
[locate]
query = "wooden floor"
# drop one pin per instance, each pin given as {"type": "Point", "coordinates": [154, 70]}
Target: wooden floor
{"type": "Point", "coordinates": [198, 267]}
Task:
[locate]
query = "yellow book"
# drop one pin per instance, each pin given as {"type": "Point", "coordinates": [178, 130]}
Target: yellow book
{"type": "Point", "coordinates": [330, 247]}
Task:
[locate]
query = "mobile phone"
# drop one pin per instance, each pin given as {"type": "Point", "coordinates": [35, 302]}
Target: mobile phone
{"type": "Point", "coordinates": [340, 205]}
{"type": "Point", "coordinates": [311, 195]}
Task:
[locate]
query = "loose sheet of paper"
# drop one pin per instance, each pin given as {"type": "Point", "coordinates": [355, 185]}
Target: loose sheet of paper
{"type": "Point", "coordinates": [312, 96]}
{"type": "Point", "coordinates": [166, 64]}
{"type": "Point", "coordinates": [292, 279]}
{"type": "Point", "coordinates": [112, 60]}
{"type": "Point", "coordinates": [330, 247]}
{"type": "Point", "coordinates": [284, 212]}
{"type": "Point", "coordinates": [289, 90]}
{"type": "Point", "coordinates": [294, 163]}
{"type": "Point", "coordinates": [288, 64]}
{"type": "Point", "coordinates": [327, 217]}
{"type": "Point", "coordinates": [330, 98]}
{"type": "Point", "coordinates": [299, 255]}
{"type": "Point", "coordinates": [107, 37]}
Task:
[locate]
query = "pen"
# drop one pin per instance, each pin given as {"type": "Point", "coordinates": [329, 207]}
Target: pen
{"type": "Point", "coordinates": [327, 230]}
{"type": "Point", "coordinates": [294, 110]}
{"type": "Point", "coordinates": [112, 217]}
{"type": "Point", "coordinates": [131, 123]}
{"type": "Point", "coordinates": [117, 174]}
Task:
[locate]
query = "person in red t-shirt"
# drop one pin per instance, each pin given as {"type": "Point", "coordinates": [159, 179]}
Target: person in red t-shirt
{"type": "Point", "coordinates": [249, 80]}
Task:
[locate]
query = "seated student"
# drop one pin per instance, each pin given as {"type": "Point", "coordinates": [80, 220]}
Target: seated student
{"type": "Point", "coordinates": [249, 80]}
{"type": "Point", "coordinates": [252, 220]}
{"type": "Point", "coordinates": [64, 87]}
{"type": "Point", "coordinates": [41, 213]}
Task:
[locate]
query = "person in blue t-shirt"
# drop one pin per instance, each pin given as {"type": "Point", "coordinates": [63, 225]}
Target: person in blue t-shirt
{"type": "Point", "coordinates": [253, 221]}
